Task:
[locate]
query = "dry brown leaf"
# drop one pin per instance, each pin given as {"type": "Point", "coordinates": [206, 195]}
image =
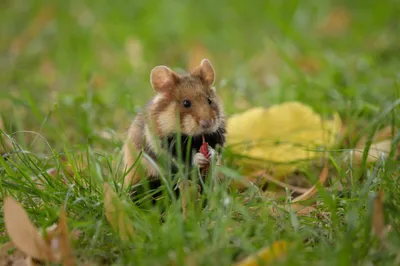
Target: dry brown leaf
{"type": "Point", "coordinates": [67, 255]}
{"type": "Point", "coordinates": [266, 255]}
{"type": "Point", "coordinates": [308, 64]}
{"type": "Point", "coordinates": [385, 133]}
{"type": "Point", "coordinates": [313, 190]}
{"type": "Point", "coordinates": [5, 143]}
{"type": "Point", "coordinates": [98, 81]}
{"type": "Point", "coordinates": [380, 147]}
{"type": "Point", "coordinates": [55, 235]}
{"type": "Point", "coordinates": [2, 127]}
{"type": "Point", "coordinates": [337, 22]}
{"type": "Point", "coordinates": [6, 246]}
{"type": "Point", "coordinates": [378, 217]}
{"type": "Point", "coordinates": [15, 258]}
{"type": "Point", "coordinates": [116, 214]}
{"type": "Point", "coordinates": [23, 233]}
{"type": "Point", "coordinates": [375, 152]}
{"type": "Point", "coordinates": [302, 210]}
{"type": "Point", "coordinates": [183, 190]}
{"type": "Point", "coordinates": [30, 262]}
{"type": "Point", "coordinates": [187, 190]}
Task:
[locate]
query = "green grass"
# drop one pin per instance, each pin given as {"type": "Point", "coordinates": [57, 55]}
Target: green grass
{"type": "Point", "coordinates": [71, 81]}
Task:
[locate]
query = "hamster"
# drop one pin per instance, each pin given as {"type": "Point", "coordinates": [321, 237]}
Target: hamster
{"type": "Point", "coordinates": [183, 102]}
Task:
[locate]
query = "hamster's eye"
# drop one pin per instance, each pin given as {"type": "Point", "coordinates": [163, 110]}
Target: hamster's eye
{"type": "Point", "coordinates": [187, 104]}
{"type": "Point", "coordinates": [209, 101]}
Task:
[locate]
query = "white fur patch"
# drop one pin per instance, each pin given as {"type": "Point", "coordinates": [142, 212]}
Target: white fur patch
{"type": "Point", "coordinates": [150, 139]}
{"type": "Point", "coordinates": [157, 98]}
{"type": "Point", "coordinates": [189, 125]}
{"type": "Point", "coordinates": [166, 120]}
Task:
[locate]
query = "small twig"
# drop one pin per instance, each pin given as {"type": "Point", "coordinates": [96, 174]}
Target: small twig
{"type": "Point", "coordinates": [284, 185]}
{"type": "Point", "coordinates": [263, 174]}
{"type": "Point", "coordinates": [313, 190]}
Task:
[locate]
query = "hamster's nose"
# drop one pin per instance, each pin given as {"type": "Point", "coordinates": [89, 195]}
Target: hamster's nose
{"type": "Point", "coordinates": [205, 123]}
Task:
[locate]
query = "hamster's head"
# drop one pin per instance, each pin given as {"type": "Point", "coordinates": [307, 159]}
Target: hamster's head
{"type": "Point", "coordinates": [186, 102]}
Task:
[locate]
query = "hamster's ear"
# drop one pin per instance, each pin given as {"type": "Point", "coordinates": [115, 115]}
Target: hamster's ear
{"type": "Point", "coordinates": [163, 79]}
{"type": "Point", "coordinates": [205, 71]}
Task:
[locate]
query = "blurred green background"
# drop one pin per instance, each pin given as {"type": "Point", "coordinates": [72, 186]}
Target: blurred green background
{"type": "Point", "coordinates": [77, 71]}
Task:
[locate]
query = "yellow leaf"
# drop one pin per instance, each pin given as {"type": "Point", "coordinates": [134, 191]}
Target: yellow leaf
{"type": "Point", "coordinates": [23, 233]}
{"type": "Point", "coordinates": [116, 214]}
{"type": "Point", "coordinates": [280, 137]}
{"type": "Point", "coordinates": [266, 255]}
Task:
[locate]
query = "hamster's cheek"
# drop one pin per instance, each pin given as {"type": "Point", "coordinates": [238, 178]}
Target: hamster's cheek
{"type": "Point", "coordinates": [166, 121]}
{"type": "Point", "coordinates": [189, 125]}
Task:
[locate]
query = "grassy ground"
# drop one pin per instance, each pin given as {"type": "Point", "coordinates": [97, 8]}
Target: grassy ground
{"type": "Point", "coordinates": [73, 75]}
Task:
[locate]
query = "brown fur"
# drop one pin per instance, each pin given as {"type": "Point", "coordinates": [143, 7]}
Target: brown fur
{"type": "Point", "coordinates": [165, 111]}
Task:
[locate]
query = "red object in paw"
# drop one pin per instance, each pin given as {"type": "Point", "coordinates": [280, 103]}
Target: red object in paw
{"type": "Point", "coordinates": [204, 149]}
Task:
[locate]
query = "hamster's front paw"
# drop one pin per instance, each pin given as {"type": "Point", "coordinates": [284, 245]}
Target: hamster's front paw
{"type": "Point", "coordinates": [200, 160]}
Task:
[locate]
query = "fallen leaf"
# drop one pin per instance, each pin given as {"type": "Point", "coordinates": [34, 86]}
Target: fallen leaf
{"type": "Point", "coordinates": [380, 147]}
{"type": "Point", "coordinates": [313, 190]}
{"type": "Point", "coordinates": [375, 152]}
{"type": "Point", "coordinates": [7, 258]}
{"type": "Point", "coordinates": [6, 246]}
{"type": "Point", "coordinates": [266, 255]}
{"type": "Point", "coordinates": [67, 255]}
{"type": "Point", "coordinates": [308, 64]}
{"type": "Point", "coordinates": [280, 138]}
{"type": "Point", "coordinates": [302, 210]}
{"type": "Point", "coordinates": [23, 233]}
{"type": "Point", "coordinates": [189, 190]}
{"type": "Point", "coordinates": [385, 133]}
{"type": "Point", "coordinates": [29, 262]}
{"type": "Point", "coordinates": [378, 217]}
{"type": "Point", "coordinates": [183, 189]}
{"type": "Point", "coordinates": [5, 142]}
{"type": "Point", "coordinates": [337, 22]}
{"type": "Point", "coordinates": [14, 258]}
{"type": "Point", "coordinates": [116, 214]}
